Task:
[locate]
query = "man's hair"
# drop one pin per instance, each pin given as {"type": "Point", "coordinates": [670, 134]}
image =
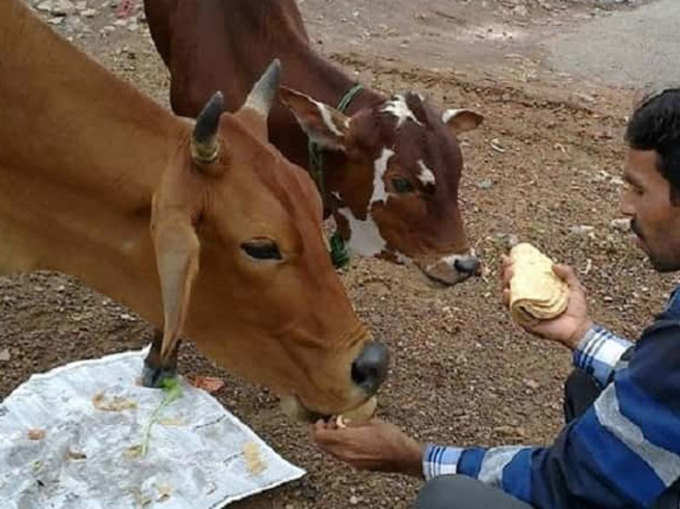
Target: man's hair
{"type": "Point", "coordinates": [655, 125]}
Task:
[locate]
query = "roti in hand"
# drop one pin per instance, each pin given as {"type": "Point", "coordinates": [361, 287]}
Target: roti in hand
{"type": "Point", "coordinates": [536, 292]}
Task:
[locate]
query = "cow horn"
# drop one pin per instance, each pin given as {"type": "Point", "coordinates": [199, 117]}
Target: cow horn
{"type": "Point", "coordinates": [204, 144]}
{"type": "Point", "coordinates": [264, 91]}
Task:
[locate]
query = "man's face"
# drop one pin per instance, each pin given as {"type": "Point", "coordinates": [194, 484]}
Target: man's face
{"type": "Point", "coordinates": [654, 219]}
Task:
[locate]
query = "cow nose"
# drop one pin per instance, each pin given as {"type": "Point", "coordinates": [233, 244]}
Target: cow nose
{"type": "Point", "coordinates": [369, 370]}
{"type": "Point", "coordinates": [467, 265]}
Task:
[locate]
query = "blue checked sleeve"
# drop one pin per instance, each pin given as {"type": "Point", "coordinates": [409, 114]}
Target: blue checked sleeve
{"type": "Point", "coordinates": [598, 353]}
{"type": "Point", "coordinates": [439, 460]}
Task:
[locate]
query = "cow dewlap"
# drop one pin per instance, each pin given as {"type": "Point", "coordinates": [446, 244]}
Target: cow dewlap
{"type": "Point", "coordinates": [536, 293]}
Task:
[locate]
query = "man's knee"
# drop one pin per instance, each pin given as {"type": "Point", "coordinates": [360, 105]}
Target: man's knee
{"type": "Point", "coordinates": [438, 493]}
{"type": "Point", "coordinates": [461, 492]}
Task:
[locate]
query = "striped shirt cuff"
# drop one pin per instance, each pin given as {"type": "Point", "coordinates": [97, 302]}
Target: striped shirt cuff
{"type": "Point", "coordinates": [439, 460]}
{"type": "Point", "coordinates": [598, 353]}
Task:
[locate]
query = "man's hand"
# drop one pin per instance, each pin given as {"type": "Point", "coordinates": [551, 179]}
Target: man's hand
{"type": "Point", "coordinates": [568, 328]}
{"type": "Point", "coordinates": [372, 445]}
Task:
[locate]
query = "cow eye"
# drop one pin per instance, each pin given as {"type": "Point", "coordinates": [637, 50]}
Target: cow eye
{"type": "Point", "coordinates": [402, 185]}
{"type": "Point", "coordinates": [262, 249]}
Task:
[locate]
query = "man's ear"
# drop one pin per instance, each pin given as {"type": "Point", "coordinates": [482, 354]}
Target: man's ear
{"type": "Point", "coordinates": [324, 125]}
{"type": "Point", "coordinates": [460, 121]}
{"type": "Point", "coordinates": [177, 253]}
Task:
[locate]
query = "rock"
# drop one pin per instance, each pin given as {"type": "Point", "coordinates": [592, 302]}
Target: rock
{"type": "Point", "coordinates": [509, 239]}
{"type": "Point", "coordinates": [354, 500]}
{"type": "Point", "coordinates": [89, 13]}
{"type": "Point", "coordinates": [5, 355]}
{"type": "Point", "coordinates": [485, 184]}
{"type": "Point", "coordinates": [56, 21]}
{"type": "Point", "coordinates": [581, 229]}
{"type": "Point", "coordinates": [56, 7]}
{"type": "Point", "coordinates": [622, 224]}
{"type": "Point", "coordinates": [511, 431]}
{"type": "Point", "coordinates": [520, 10]}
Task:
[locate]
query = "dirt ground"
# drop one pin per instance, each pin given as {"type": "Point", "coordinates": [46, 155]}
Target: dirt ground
{"type": "Point", "coordinates": [544, 167]}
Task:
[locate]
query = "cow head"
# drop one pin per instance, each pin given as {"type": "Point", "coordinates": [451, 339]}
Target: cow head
{"type": "Point", "coordinates": [244, 269]}
{"type": "Point", "coordinates": [397, 192]}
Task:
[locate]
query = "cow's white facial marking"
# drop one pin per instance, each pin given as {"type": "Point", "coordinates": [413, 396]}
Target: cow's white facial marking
{"type": "Point", "coordinates": [328, 119]}
{"type": "Point", "coordinates": [448, 115]}
{"type": "Point", "coordinates": [380, 167]}
{"type": "Point", "coordinates": [398, 107]}
{"type": "Point", "coordinates": [365, 238]}
{"type": "Point", "coordinates": [450, 260]}
{"type": "Point", "coordinates": [425, 176]}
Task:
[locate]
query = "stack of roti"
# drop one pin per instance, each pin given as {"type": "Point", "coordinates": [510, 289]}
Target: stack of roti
{"type": "Point", "coordinates": [536, 293]}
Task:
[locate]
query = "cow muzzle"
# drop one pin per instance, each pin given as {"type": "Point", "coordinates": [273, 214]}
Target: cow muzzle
{"type": "Point", "coordinates": [368, 372]}
{"type": "Point", "coordinates": [369, 369]}
{"type": "Point", "coordinates": [453, 269]}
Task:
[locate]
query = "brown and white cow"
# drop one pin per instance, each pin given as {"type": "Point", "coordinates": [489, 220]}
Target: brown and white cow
{"type": "Point", "coordinates": [205, 218]}
{"type": "Point", "coordinates": [392, 164]}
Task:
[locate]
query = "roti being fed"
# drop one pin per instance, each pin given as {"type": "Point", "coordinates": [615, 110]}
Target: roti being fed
{"type": "Point", "coordinates": [536, 292]}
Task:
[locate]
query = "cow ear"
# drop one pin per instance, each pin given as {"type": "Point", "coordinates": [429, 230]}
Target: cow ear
{"type": "Point", "coordinates": [460, 121]}
{"type": "Point", "coordinates": [177, 252]}
{"type": "Point", "coordinates": [324, 125]}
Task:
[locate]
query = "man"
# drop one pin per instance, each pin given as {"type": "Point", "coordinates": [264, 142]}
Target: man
{"type": "Point", "coordinates": [621, 444]}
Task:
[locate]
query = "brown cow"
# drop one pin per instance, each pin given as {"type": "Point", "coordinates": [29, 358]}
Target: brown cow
{"type": "Point", "coordinates": [98, 181]}
{"type": "Point", "coordinates": [392, 165]}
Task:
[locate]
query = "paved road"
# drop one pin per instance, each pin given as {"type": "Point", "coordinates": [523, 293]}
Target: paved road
{"type": "Point", "coordinates": [631, 48]}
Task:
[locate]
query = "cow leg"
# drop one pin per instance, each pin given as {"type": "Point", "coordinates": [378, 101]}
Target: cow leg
{"type": "Point", "coordinates": [154, 371]}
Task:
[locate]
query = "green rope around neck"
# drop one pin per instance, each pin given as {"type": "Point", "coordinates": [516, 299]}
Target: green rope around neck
{"type": "Point", "coordinates": [338, 248]}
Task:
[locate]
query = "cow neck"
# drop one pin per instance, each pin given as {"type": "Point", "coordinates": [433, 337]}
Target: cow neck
{"type": "Point", "coordinates": [347, 104]}
{"type": "Point", "coordinates": [316, 158]}
{"type": "Point", "coordinates": [83, 126]}
{"type": "Point", "coordinates": [348, 97]}
{"type": "Point", "coordinates": [81, 154]}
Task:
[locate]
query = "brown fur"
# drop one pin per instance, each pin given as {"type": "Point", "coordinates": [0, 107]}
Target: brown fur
{"type": "Point", "coordinates": [97, 181]}
{"type": "Point", "coordinates": [224, 44]}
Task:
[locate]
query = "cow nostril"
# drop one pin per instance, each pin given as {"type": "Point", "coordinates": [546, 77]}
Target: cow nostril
{"type": "Point", "coordinates": [467, 265]}
{"type": "Point", "coordinates": [369, 370]}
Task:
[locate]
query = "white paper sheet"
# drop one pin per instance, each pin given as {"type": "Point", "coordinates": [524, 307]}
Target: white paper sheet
{"type": "Point", "coordinates": [89, 458]}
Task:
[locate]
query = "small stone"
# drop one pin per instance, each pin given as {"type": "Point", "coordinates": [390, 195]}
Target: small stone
{"type": "Point", "coordinates": [354, 500]}
{"type": "Point", "coordinates": [581, 229]}
{"type": "Point", "coordinates": [622, 225]}
{"type": "Point", "coordinates": [89, 13]}
{"type": "Point", "coordinates": [532, 384]}
{"type": "Point", "coordinates": [56, 21]}
{"type": "Point", "coordinates": [485, 184]}
{"type": "Point", "coordinates": [520, 10]}
{"type": "Point", "coordinates": [5, 355]}
{"type": "Point", "coordinates": [45, 6]}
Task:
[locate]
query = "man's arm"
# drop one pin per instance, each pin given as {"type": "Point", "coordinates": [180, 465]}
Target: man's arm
{"type": "Point", "coordinates": [624, 451]}
{"type": "Point", "coordinates": [599, 352]}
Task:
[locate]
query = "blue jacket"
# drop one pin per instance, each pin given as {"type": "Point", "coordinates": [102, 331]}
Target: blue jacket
{"type": "Point", "coordinates": [624, 452]}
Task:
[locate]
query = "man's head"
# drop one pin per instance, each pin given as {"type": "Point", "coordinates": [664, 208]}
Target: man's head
{"type": "Point", "coordinates": [652, 172]}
